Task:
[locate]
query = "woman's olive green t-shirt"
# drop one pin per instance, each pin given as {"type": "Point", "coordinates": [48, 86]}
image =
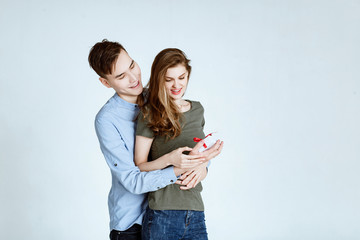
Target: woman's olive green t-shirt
{"type": "Point", "coordinates": [172, 197]}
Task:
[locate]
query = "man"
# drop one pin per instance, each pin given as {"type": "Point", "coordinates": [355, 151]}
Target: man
{"type": "Point", "coordinates": [115, 127]}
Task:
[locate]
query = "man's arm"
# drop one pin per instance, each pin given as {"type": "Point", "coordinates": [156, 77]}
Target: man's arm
{"type": "Point", "coordinates": [120, 161]}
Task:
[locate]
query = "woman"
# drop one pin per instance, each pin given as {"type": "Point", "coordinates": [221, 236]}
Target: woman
{"type": "Point", "coordinates": [166, 123]}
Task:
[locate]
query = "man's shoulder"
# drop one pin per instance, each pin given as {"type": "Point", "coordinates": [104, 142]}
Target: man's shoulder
{"type": "Point", "coordinates": [116, 112]}
{"type": "Point", "coordinates": [107, 111]}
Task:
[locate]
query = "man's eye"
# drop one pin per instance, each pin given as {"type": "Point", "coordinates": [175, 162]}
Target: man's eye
{"type": "Point", "coordinates": [132, 66]}
{"type": "Point", "coordinates": [182, 78]}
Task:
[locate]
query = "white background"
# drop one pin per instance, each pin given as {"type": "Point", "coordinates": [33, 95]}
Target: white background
{"type": "Point", "coordinates": [279, 80]}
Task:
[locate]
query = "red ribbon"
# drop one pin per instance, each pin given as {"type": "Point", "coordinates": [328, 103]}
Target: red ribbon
{"type": "Point", "coordinates": [199, 139]}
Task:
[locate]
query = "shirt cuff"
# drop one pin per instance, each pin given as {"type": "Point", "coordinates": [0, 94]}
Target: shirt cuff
{"type": "Point", "coordinates": [168, 174]}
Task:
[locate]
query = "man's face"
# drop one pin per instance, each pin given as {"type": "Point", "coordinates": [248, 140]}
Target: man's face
{"type": "Point", "coordinates": [125, 78]}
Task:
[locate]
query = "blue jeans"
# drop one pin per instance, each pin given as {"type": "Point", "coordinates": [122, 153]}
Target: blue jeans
{"type": "Point", "coordinates": [174, 225]}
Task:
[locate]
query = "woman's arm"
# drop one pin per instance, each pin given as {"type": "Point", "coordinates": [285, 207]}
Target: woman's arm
{"type": "Point", "coordinates": [142, 149]}
{"type": "Point", "coordinates": [175, 158]}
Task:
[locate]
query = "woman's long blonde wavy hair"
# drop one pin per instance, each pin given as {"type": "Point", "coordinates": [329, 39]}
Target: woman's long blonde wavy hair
{"type": "Point", "coordinates": [161, 112]}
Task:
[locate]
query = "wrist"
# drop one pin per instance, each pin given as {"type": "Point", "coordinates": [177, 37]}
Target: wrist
{"type": "Point", "coordinates": [168, 160]}
{"type": "Point", "coordinates": [178, 171]}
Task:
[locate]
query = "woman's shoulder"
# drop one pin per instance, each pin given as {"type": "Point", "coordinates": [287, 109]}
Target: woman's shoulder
{"type": "Point", "coordinates": [143, 114]}
{"type": "Point", "coordinates": [195, 105]}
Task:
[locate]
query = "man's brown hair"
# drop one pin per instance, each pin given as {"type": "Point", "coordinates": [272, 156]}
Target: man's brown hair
{"type": "Point", "coordinates": [103, 56]}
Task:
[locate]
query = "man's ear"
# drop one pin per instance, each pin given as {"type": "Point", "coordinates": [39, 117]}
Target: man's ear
{"type": "Point", "coordinates": [105, 82]}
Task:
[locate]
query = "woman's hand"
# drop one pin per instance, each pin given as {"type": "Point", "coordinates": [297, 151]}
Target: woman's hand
{"type": "Point", "coordinates": [192, 177]}
{"type": "Point", "coordinates": [183, 161]}
{"type": "Point", "coordinates": [209, 153]}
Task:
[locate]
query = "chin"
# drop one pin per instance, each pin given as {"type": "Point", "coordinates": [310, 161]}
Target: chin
{"type": "Point", "coordinates": [176, 98]}
{"type": "Point", "coordinates": [139, 91]}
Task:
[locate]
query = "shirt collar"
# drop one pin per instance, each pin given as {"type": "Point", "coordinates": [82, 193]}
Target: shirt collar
{"type": "Point", "coordinates": [124, 103]}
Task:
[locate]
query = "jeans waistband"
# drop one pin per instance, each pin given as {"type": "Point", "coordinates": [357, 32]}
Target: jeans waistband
{"type": "Point", "coordinates": [134, 228]}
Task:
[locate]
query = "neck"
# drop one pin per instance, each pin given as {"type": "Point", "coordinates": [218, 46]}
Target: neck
{"type": "Point", "coordinates": [179, 102]}
{"type": "Point", "coordinates": [130, 99]}
{"type": "Point", "coordinates": [182, 105]}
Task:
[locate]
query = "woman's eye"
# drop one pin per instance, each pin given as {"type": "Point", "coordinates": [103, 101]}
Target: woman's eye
{"type": "Point", "coordinates": [182, 78]}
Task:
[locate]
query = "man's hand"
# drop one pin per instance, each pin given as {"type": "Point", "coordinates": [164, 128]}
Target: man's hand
{"type": "Point", "coordinates": [192, 177]}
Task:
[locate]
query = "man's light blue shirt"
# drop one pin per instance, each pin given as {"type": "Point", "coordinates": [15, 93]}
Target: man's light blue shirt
{"type": "Point", "coordinates": [115, 127]}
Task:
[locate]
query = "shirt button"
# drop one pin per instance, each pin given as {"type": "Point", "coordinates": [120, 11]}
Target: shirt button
{"type": "Point", "coordinates": [115, 164]}
{"type": "Point", "coordinates": [158, 187]}
{"type": "Point", "coordinates": [171, 180]}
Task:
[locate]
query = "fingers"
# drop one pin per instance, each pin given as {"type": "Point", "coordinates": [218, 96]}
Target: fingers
{"type": "Point", "coordinates": [213, 148]}
{"type": "Point", "coordinates": [183, 149]}
{"type": "Point", "coordinates": [188, 178]}
{"type": "Point", "coordinates": [218, 151]}
{"type": "Point", "coordinates": [179, 182]}
{"type": "Point", "coordinates": [191, 164]}
{"type": "Point", "coordinates": [221, 146]}
{"type": "Point", "coordinates": [187, 164]}
{"type": "Point", "coordinates": [182, 177]}
{"type": "Point", "coordinates": [198, 146]}
{"type": "Point", "coordinates": [217, 144]}
{"type": "Point", "coordinates": [215, 152]}
{"type": "Point", "coordinates": [194, 181]}
{"type": "Point", "coordinates": [185, 174]}
{"type": "Point", "coordinates": [194, 157]}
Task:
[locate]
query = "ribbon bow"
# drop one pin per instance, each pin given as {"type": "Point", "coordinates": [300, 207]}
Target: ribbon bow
{"type": "Point", "coordinates": [199, 139]}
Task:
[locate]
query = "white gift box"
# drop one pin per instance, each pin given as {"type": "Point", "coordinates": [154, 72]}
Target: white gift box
{"type": "Point", "coordinates": [209, 141]}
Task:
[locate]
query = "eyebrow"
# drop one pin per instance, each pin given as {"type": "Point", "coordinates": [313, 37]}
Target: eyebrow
{"type": "Point", "coordinates": [179, 76]}
{"type": "Point", "coordinates": [132, 62]}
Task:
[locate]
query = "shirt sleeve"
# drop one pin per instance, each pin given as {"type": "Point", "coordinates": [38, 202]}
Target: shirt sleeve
{"type": "Point", "coordinates": [142, 128]}
{"type": "Point", "coordinates": [120, 161]}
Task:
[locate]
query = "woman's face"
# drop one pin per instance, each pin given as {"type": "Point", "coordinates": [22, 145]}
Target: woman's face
{"type": "Point", "coordinates": [176, 80]}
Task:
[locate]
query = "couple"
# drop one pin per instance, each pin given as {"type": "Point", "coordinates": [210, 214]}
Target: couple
{"type": "Point", "coordinates": [165, 160]}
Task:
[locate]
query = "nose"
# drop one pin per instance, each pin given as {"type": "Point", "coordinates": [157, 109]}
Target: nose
{"type": "Point", "coordinates": [133, 77]}
{"type": "Point", "coordinates": [176, 84]}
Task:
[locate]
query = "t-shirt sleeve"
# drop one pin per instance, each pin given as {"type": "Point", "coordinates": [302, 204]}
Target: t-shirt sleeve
{"type": "Point", "coordinates": [142, 128]}
{"type": "Point", "coordinates": [202, 115]}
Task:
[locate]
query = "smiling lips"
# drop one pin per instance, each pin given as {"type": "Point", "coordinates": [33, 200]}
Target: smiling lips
{"type": "Point", "coordinates": [176, 91]}
{"type": "Point", "coordinates": [136, 85]}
